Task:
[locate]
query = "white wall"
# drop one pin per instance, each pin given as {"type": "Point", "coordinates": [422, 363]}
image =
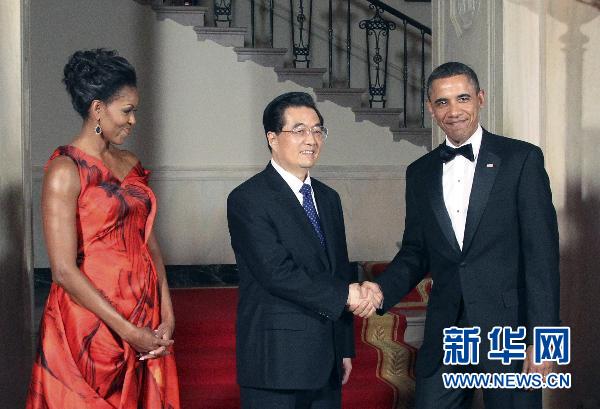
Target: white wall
{"type": "Point", "coordinates": [199, 128]}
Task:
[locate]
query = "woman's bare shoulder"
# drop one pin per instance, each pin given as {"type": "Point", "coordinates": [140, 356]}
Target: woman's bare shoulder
{"type": "Point", "coordinates": [62, 175]}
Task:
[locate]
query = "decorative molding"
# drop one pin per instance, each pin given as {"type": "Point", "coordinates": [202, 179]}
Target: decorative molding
{"type": "Point", "coordinates": [361, 172]}
{"type": "Point", "coordinates": [494, 68]}
{"type": "Point", "coordinates": [416, 136]}
{"type": "Point", "coordinates": [26, 147]}
{"type": "Point", "coordinates": [208, 173]}
{"type": "Point", "coordinates": [542, 85]}
{"type": "Point", "coordinates": [184, 15]}
{"type": "Point", "coordinates": [438, 10]}
{"type": "Point", "coordinates": [438, 53]}
{"type": "Point", "coordinates": [306, 77]}
{"type": "Point", "coordinates": [240, 173]}
{"type": "Point", "coordinates": [389, 117]}
{"type": "Point", "coordinates": [463, 14]}
{"type": "Point", "coordinates": [269, 57]}
{"type": "Point", "coordinates": [347, 97]}
{"type": "Point", "coordinates": [225, 36]}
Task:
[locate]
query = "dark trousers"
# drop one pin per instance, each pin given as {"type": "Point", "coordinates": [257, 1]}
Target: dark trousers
{"type": "Point", "coordinates": [324, 398]}
{"type": "Point", "coordinates": [327, 397]}
{"type": "Point", "coordinates": [431, 393]}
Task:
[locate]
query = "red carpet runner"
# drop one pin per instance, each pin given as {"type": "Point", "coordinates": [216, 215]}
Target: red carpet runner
{"type": "Point", "coordinates": [382, 377]}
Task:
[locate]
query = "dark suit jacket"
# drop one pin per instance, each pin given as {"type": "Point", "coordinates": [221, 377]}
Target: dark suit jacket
{"type": "Point", "coordinates": [507, 272]}
{"type": "Point", "coordinates": [292, 329]}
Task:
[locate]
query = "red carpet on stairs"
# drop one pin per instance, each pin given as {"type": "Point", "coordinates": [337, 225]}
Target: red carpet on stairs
{"type": "Point", "coordinates": [382, 375]}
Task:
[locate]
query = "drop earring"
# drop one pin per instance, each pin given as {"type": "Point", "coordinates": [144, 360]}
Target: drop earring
{"type": "Point", "coordinates": [98, 129]}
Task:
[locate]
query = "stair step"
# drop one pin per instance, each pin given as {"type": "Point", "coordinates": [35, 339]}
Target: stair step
{"type": "Point", "coordinates": [348, 97]}
{"type": "Point", "coordinates": [307, 77]}
{"type": "Point", "coordinates": [389, 117]}
{"type": "Point", "coordinates": [268, 57]}
{"type": "Point", "coordinates": [416, 136]}
{"type": "Point", "coordinates": [184, 15]}
{"type": "Point", "coordinates": [225, 36]}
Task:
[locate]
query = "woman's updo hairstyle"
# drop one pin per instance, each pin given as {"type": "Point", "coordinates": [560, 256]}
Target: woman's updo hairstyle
{"type": "Point", "coordinates": [96, 74]}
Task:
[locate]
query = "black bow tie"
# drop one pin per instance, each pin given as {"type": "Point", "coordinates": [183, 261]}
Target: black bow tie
{"type": "Point", "coordinates": [448, 153]}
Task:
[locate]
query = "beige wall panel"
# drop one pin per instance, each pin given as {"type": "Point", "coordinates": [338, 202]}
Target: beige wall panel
{"type": "Point", "coordinates": [548, 51]}
{"type": "Point", "coordinates": [15, 280]}
{"type": "Point", "coordinates": [471, 32]}
{"type": "Point", "coordinates": [201, 110]}
{"type": "Point", "coordinates": [572, 47]}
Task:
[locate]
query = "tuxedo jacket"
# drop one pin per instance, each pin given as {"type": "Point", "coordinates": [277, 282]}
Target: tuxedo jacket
{"type": "Point", "coordinates": [507, 271]}
{"type": "Point", "coordinates": [292, 327]}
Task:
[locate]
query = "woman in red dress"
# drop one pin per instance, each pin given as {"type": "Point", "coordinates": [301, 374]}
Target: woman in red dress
{"type": "Point", "coordinates": [106, 332]}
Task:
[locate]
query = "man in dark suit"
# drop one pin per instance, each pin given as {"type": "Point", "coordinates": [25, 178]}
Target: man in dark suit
{"type": "Point", "coordinates": [480, 219]}
{"type": "Point", "coordinates": [294, 336]}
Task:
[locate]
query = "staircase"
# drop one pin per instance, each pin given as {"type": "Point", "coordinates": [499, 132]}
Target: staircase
{"type": "Point", "coordinates": [206, 24]}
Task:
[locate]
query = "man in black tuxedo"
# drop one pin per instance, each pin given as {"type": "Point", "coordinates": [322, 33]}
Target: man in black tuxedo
{"type": "Point", "coordinates": [480, 219]}
{"type": "Point", "coordinates": [294, 336]}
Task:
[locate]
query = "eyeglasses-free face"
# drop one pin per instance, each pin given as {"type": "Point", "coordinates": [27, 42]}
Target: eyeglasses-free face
{"type": "Point", "coordinates": [454, 104]}
{"type": "Point", "coordinates": [296, 148]}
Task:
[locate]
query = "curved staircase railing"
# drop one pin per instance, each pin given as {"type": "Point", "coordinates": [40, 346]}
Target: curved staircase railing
{"type": "Point", "coordinates": [377, 46]}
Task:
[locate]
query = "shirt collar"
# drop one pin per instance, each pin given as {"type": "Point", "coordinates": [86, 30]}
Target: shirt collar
{"type": "Point", "coordinates": [474, 140]}
{"type": "Point", "coordinates": [293, 182]}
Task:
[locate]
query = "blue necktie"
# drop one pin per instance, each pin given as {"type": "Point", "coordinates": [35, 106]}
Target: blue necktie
{"type": "Point", "coordinates": [311, 212]}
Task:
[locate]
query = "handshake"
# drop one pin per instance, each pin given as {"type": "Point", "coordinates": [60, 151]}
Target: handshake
{"type": "Point", "coordinates": [364, 299]}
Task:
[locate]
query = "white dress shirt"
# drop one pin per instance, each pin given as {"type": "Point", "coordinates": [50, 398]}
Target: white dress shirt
{"type": "Point", "coordinates": [295, 184]}
{"type": "Point", "coordinates": [457, 180]}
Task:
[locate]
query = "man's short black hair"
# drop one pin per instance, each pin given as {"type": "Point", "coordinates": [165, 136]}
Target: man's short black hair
{"type": "Point", "coordinates": [452, 69]}
{"type": "Point", "coordinates": [273, 119]}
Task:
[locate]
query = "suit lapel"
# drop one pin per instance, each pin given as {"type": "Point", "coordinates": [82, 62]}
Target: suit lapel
{"type": "Point", "coordinates": [436, 195]}
{"type": "Point", "coordinates": [290, 205]}
{"type": "Point", "coordinates": [486, 170]}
